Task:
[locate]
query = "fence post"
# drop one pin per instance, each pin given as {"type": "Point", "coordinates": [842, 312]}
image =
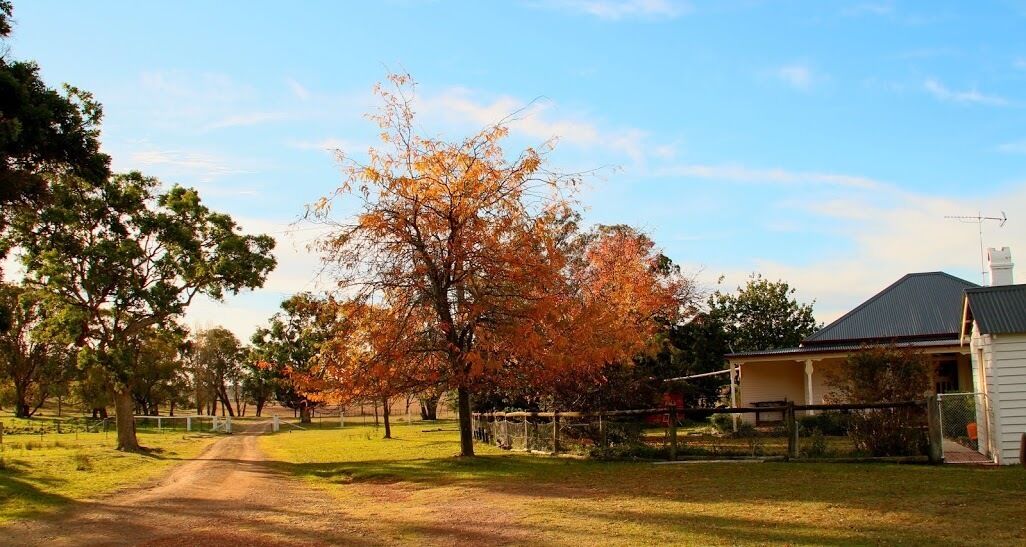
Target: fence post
{"type": "Point", "coordinates": [602, 430]}
{"type": "Point", "coordinates": [160, 426]}
{"type": "Point", "coordinates": [933, 420]}
{"type": "Point", "coordinates": [213, 423]}
{"type": "Point", "coordinates": [228, 425]}
{"type": "Point", "coordinates": [505, 429]}
{"type": "Point", "coordinates": [673, 432]}
{"type": "Point", "coordinates": [188, 423]}
{"type": "Point", "coordinates": [555, 433]}
{"type": "Point", "coordinates": [527, 436]}
{"type": "Point", "coordinates": [792, 431]}
{"type": "Point", "coordinates": [275, 423]}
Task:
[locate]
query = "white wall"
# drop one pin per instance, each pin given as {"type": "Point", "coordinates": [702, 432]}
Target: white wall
{"type": "Point", "coordinates": [1004, 381]}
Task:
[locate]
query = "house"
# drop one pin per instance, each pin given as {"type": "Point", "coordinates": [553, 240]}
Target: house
{"type": "Point", "coordinates": [976, 337]}
{"type": "Point", "coordinates": [994, 325]}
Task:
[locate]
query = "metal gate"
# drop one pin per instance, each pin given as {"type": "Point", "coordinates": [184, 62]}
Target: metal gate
{"type": "Point", "coordinates": [965, 423]}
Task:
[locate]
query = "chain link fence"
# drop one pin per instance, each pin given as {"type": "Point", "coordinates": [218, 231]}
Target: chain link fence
{"type": "Point", "coordinates": [892, 431]}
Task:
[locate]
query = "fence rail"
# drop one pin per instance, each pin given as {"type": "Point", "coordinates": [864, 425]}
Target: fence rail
{"type": "Point", "coordinates": [893, 431]}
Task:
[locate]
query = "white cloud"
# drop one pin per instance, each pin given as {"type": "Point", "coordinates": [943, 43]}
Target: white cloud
{"type": "Point", "coordinates": [869, 8]}
{"type": "Point", "coordinates": [972, 96]}
{"type": "Point", "coordinates": [621, 9]}
{"type": "Point", "coordinates": [298, 90]}
{"type": "Point", "coordinates": [536, 120]}
{"type": "Point", "coordinates": [245, 120]}
{"type": "Point", "coordinates": [208, 165]}
{"type": "Point", "coordinates": [798, 76]}
{"type": "Point", "coordinates": [743, 174]}
{"type": "Point", "coordinates": [1014, 147]}
{"type": "Point", "coordinates": [886, 235]}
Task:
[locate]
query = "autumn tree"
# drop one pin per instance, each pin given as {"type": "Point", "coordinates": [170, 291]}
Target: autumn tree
{"type": "Point", "coordinates": [119, 257]}
{"type": "Point", "coordinates": [468, 249]}
{"type": "Point", "coordinates": [761, 315]}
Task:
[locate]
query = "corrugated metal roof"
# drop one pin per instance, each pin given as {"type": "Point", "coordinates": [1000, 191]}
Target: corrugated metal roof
{"type": "Point", "coordinates": [998, 310]}
{"type": "Point", "coordinates": [841, 348]}
{"type": "Point", "coordinates": [919, 305]}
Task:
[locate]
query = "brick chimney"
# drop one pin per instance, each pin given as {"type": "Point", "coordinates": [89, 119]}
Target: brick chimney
{"type": "Point", "coordinates": [1000, 266]}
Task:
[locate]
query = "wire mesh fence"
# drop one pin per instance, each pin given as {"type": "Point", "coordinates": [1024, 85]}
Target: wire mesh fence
{"type": "Point", "coordinates": [892, 431]}
{"type": "Point", "coordinates": [895, 430]}
{"type": "Point", "coordinates": [965, 419]}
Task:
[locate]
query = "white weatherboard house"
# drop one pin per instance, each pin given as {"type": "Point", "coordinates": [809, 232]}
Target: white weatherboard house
{"type": "Point", "coordinates": [994, 325]}
{"type": "Point", "coordinates": [976, 337]}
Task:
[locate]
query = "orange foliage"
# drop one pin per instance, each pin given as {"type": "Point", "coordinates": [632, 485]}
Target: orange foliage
{"type": "Point", "coordinates": [465, 267]}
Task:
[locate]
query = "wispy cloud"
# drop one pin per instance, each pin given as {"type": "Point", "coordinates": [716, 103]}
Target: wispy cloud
{"type": "Point", "coordinates": [245, 120]}
{"type": "Point", "coordinates": [798, 76]}
{"type": "Point", "coordinates": [207, 166]}
{"type": "Point", "coordinates": [970, 96]}
{"type": "Point", "coordinates": [538, 121]}
{"type": "Point", "coordinates": [743, 174]}
{"type": "Point", "coordinates": [869, 8]}
{"type": "Point", "coordinates": [621, 9]}
{"type": "Point", "coordinates": [298, 89]}
{"type": "Point", "coordinates": [1014, 147]}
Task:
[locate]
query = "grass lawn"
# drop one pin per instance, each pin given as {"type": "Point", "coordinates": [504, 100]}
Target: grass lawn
{"type": "Point", "coordinates": [411, 489]}
{"type": "Point", "coordinates": [41, 473]}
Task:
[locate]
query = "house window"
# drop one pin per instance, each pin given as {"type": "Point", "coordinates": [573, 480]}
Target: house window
{"type": "Point", "coordinates": [947, 376]}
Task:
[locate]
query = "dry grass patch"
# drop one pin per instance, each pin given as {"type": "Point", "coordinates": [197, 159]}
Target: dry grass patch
{"type": "Point", "coordinates": [414, 490]}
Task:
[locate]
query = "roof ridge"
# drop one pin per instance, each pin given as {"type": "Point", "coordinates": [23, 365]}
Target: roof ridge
{"type": "Point", "coordinates": [814, 337]}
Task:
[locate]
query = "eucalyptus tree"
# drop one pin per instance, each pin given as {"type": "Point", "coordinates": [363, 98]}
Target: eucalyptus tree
{"type": "Point", "coordinates": [118, 257]}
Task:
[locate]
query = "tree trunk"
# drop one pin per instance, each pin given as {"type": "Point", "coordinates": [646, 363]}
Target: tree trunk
{"type": "Point", "coordinates": [259, 407]}
{"type": "Point", "coordinates": [171, 408]}
{"type": "Point", "coordinates": [304, 414]}
{"type": "Point", "coordinates": [123, 404]}
{"type": "Point", "coordinates": [429, 408]}
{"type": "Point", "coordinates": [384, 413]}
{"type": "Point", "coordinates": [466, 431]}
{"type": "Point", "coordinates": [376, 423]}
{"type": "Point", "coordinates": [21, 407]}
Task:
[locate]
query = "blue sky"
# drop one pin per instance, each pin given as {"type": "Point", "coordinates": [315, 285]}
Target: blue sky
{"type": "Point", "coordinates": [818, 142]}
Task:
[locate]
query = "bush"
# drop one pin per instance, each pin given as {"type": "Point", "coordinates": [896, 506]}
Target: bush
{"type": "Point", "coordinates": [886, 374]}
{"type": "Point", "coordinates": [826, 423]}
{"type": "Point", "coordinates": [724, 423]}
{"type": "Point", "coordinates": [83, 462]}
{"type": "Point", "coordinates": [816, 447]}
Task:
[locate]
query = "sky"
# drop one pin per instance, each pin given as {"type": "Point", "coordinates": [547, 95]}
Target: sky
{"type": "Point", "coordinates": [822, 143]}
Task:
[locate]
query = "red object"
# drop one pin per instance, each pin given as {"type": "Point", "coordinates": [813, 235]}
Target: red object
{"type": "Point", "coordinates": [971, 430]}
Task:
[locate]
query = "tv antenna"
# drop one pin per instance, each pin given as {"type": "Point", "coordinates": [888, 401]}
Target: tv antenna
{"type": "Point", "coordinates": [978, 220]}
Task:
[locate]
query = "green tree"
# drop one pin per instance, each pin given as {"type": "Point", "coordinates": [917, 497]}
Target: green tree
{"type": "Point", "coordinates": [219, 354]}
{"type": "Point", "coordinates": [34, 359]}
{"type": "Point", "coordinates": [117, 258]}
{"type": "Point", "coordinates": [762, 315]}
{"type": "Point", "coordinates": [288, 344]}
{"type": "Point", "coordinates": [259, 380]}
{"type": "Point", "coordinates": [43, 132]}
{"type": "Point", "coordinates": [159, 371]}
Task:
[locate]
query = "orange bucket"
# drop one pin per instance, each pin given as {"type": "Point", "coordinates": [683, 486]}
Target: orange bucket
{"type": "Point", "coordinates": [971, 430]}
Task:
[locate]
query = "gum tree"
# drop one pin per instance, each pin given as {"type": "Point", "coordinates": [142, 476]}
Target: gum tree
{"type": "Point", "coordinates": [119, 257]}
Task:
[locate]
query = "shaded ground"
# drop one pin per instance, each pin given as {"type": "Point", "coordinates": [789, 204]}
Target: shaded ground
{"type": "Point", "coordinates": [227, 495]}
{"type": "Point", "coordinates": [332, 486]}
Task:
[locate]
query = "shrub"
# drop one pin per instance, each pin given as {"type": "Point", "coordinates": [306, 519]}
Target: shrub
{"type": "Point", "coordinates": [886, 374]}
{"type": "Point", "coordinates": [827, 423]}
{"type": "Point", "coordinates": [723, 423]}
{"type": "Point", "coordinates": [816, 446]}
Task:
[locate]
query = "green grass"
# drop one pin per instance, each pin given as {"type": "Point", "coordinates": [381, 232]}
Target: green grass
{"type": "Point", "coordinates": [41, 474]}
{"type": "Point", "coordinates": [412, 489]}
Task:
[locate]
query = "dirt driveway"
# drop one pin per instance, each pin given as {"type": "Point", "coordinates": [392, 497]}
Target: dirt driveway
{"type": "Point", "coordinates": [228, 495]}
